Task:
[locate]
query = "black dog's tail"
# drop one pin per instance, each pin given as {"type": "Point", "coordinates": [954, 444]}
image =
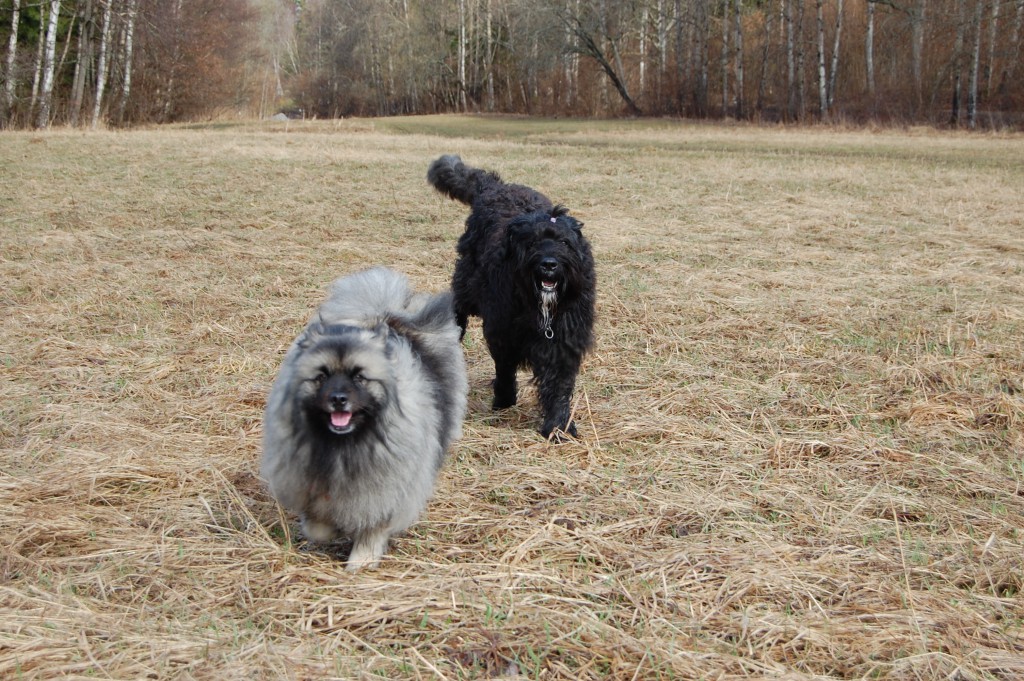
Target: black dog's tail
{"type": "Point", "coordinates": [451, 176]}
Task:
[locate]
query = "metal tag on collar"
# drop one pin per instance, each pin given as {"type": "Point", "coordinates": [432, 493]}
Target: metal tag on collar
{"type": "Point", "coordinates": [549, 333]}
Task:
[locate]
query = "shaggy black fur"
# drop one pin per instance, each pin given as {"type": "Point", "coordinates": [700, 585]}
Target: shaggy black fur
{"type": "Point", "coordinates": [526, 270]}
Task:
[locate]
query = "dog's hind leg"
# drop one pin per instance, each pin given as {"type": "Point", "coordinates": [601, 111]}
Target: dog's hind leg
{"type": "Point", "coordinates": [368, 548]}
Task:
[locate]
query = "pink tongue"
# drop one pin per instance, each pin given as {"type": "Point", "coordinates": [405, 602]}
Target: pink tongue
{"type": "Point", "coordinates": [340, 419]}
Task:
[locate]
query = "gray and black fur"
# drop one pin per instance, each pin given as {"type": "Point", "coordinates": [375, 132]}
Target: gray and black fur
{"type": "Point", "coordinates": [527, 271]}
{"type": "Point", "coordinates": [362, 412]}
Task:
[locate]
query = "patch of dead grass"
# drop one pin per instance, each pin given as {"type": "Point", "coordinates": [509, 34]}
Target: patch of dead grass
{"type": "Point", "coordinates": [802, 423]}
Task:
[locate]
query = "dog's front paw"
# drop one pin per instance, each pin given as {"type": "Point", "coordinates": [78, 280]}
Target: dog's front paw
{"type": "Point", "coordinates": [555, 433]}
{"type": "Point", "coordinates": [503, 402]}
{"type": "Point", "coordinates": [318, 532]}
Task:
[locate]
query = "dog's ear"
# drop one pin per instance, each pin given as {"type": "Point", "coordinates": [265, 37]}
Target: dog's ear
{"type": "Point", "coordinates": [312, 332]}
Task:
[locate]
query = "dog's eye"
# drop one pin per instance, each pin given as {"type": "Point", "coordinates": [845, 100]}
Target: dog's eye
{"type": "Point", "coordinates": [322, 375]}
{"type": "Point", "coordinates": [360, 378]}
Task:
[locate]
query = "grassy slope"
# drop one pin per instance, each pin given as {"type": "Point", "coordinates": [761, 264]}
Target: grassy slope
{"type": "Point", "coordinates": [802, 425]}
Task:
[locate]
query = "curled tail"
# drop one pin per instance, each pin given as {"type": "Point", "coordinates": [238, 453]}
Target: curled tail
{"type": "Point", "coordinates": [450, 176]}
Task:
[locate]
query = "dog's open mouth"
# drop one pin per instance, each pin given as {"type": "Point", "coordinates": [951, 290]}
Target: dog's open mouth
{"type": "Point", "coordinates": [548, 285]}
{"type": "Point", "coordinates": [341, 422]}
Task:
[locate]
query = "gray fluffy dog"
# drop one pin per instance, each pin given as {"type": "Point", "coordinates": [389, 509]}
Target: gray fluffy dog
{"type": "Point", "coordinates": [362, 412]}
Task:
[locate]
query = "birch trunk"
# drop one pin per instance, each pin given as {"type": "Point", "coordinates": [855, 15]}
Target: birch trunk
{"type": "Point", "coordinates": [643, 51]}
{"type": "Point", "coordinates": [958, 48]}
{"type": "Point", "coordinates": [683, 56]}
{"type": "Point", "coordinates": [801, 59]}
{"type": "Point", "coordinates": [972, 82]}
{"type": "Point", "coordinates": [869, 52]}
{"type": "Point", "coordinates": [82, 64]}
{"type": "Point", "coordinates": [37, 74]}
{"type": "Point", "coordinates": [489, 56]}
{"type": "Point", "coordinates": [993, 34]}
{"type": "Point", "coordinates": [737, 43]}
{"type": "Point", "coordinates": [102, 62]}
{"type": "Point", "coordinates": [1014, 61]}
{"type": "Point", "coordinates": [762, 80]}
{"type": "Point", "coordinates": [46, 92]}
{"type": "Point", "coordinates": [724, 60]}
{"type": "Point", "coordinates": [461, 75]}
{"type": "Point", "coordinates": [703, 57]}
{"type": "Point", "coordinates": [738, 64]}
{"type": "Point", "coordinates": [917, 17]}
{"type": "Point", "coordinates": [787, 16]}
{"type": "Point", "coordinates": [12, 51]}
{"type": "Point", "coordinates": [169, 94]}
{"type": "Point", "coordinates": [835, 56]}
{"type": "Point", "coordinates": [129, 54]}
{"type": "Point", "coordinates": [822, 83]}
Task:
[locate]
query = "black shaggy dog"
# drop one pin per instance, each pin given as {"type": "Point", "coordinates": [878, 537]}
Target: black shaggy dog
{"type": "Point", "coordinates": [526, 270]}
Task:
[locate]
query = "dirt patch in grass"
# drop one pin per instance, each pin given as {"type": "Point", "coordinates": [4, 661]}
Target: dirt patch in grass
{"type": "Point", "coordinates": [802, 426]}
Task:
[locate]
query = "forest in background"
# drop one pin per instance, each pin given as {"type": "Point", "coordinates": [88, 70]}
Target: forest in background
{"type": "Point", "coordinates": [128, 62]}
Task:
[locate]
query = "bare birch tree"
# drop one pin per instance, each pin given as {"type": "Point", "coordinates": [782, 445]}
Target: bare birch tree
{"type": "Point", "coordinates": [762, 80]}
{"type": "Point", "coordinates": [993, 33]}
{"type": "Point", "coordinates": [102, 62]}
{"type": "Point", "coordinates": [958, 49]}
{"type": "Point", "coordinates": [738, 57]}
{"type": "Point", "coordinates": [822, 82]}
{"type": "Point", "coordinates": [588, 31]}
{"type": "Point", "coordinates": [835, 55]}
{"type": "Point", "coordinates": [127, 56]}
{"type": "Point", "coordinates": [83, 63]}
{"type": "Point", "coordinates": [972, 81]}
{"type": "Point", "coordinates": [461, 74]}
{"type": "Point", "coordinates": [37, 73]}
{"type": "Point", "coordinates": [869, 52]}
{"type": "Point", "coordinates": [917, 13]}
{"type": "Point", "coordinates": [787, 17]}
{"type": "Point", "coordinates": [723, 61]}
{"type": "Point", "coordinates": [9, 75]}
{"type": "Point", "coordinates": [1014, 59]}
{"type": "Point", "coordinates": [46, 91]}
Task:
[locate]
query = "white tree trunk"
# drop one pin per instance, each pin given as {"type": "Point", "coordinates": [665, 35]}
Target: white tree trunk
{"type": "Point", "coordinates": [869, 51]}
{"type": "Point", "coordinates": [102, 62]}
{"type": "Point", "coordinates": [724, 61]}
{"type": "Point", "coordinates": [82, 62]}
{"type": "Point", "coordinates": [822, 83]}
{"type": "Point", "coordinates": [489, 56]}
{"type": "Point", "coordinates": [12, 50]}
{"type": "Point", "coordinates": [462, 56]}
{"type": "Point", "coordinates": [835, 55]}
{"type": "Point", "coordinates": [129, 53]}
{"type": "Point", "coordinates": [37, 74]}
{"type": "Point", "coordinates": [787, 10]}
{"type": "Point", "coordinates": [46, 92]}
{"type": "Point", "coordinates": [993, 33]}
{"type": "Point", "coordinates": [738, 64]}
{"type": "Point", "coordinates": [972, 82]}
{"type": "Point", "coordinates": [644, 18]}
{"type": "Point", "coordinates": [958, 49]}
{"type": "Point", "coordinates": [1014, 60]}
{"type": "Point", "coordinates": [917, 17]}
{"type": "Point", "coordinates": [801, 61]}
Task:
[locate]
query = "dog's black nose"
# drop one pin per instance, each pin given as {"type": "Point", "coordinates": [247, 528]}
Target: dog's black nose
{"type": "Point", "coordinates": [338, 401]}
{"type": "Point", "coordinates": [548, 266]}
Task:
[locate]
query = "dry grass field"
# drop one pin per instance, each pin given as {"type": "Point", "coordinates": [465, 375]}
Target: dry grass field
{"type": "Point", "coordinates": [802, 428]}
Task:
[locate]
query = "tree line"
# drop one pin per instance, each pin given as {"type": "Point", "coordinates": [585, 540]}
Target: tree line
{"type": "Point", "coordinates": [124, 62]}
